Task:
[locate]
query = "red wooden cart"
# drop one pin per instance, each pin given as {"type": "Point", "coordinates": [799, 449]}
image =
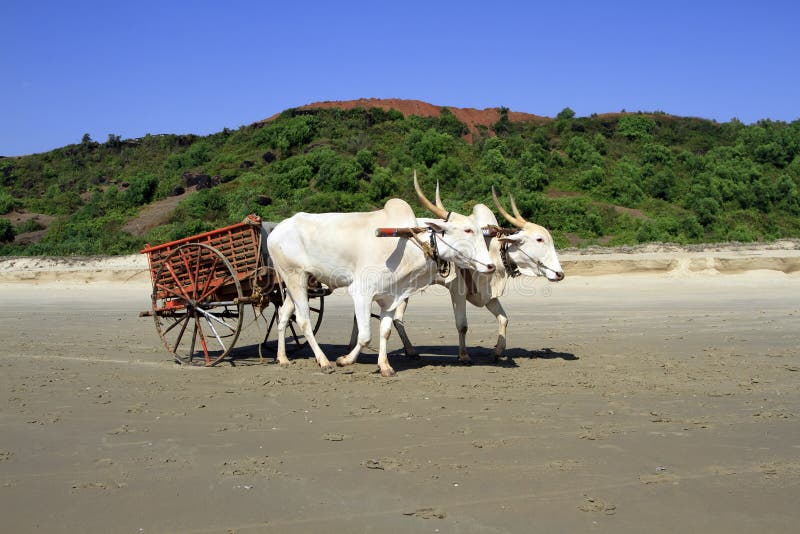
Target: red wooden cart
{"type": "Point", "coordinates": [203, 285]}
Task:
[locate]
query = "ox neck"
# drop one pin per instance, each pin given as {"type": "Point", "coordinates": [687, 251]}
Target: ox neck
{"type": "Point", "coordinates": [431, 252]}
{"type": "Point", "coordinates": [511, 267]}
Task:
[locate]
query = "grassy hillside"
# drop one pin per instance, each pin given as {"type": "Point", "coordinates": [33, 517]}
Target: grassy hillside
{"type": "Point", "coordinates": [608, 179]}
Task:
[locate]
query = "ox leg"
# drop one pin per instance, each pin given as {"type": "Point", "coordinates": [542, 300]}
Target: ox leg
{"type": "Point", "coordinates": [497, 310]}
{"type": "Point", "coordinates": [353, 335]}
{"type": "Point", "coordinates": [386, 331]}
{"type": "Point", "coordinates": [399, 312]}
{"type": "Point", "coordinates": [363, 312]}
{"type": "Point", "coordinates": [285, 314]}
{"type": "Point", "coordinates": [297, 287]}
{"type": "Point", "coordinates": [460, 311]}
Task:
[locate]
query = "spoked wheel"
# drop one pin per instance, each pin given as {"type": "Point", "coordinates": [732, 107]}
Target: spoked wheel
{"type": "Point", "coordinates": [194, 304]}
{"type": "Point", "coordinates": [295, 339]}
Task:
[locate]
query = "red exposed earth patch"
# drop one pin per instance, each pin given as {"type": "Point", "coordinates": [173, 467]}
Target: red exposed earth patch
{"type": "Point", "coordinates": [471, 117]}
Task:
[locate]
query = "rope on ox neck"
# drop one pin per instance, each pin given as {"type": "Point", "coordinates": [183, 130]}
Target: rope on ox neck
{"type": "Point", "coordinates": [513, 269]}
{"type": "Point", "coordinates": [431, 250]}
{"type": "Point", "coordinates": [442, 267]}
{"type": "Point", "coordinates": [457, 252]}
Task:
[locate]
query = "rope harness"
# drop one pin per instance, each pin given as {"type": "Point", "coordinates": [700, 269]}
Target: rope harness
{"type": "Point", "coordinates": [513, 269]}
{"type": "Point", "coordinates": [431, 249]}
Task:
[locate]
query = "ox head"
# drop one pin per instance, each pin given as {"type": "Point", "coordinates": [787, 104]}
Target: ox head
{"type": "Point", "coordinates": [458, 237]}
{"type": "Point", "coordinates": [531, 248]}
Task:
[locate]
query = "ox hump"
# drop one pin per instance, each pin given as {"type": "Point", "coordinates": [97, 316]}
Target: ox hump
{"type": "Point", "coordinates": [397, 206]}
{"type": "Point", "coordinates": [483, 216]}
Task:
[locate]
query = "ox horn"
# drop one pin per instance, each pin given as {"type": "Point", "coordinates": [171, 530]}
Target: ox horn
{"type": "Point", "coordinates": [439, 203]}
{"type": "Point", "coordinates": [519, 223]}
{"type": "Point", "coordinates": [514, 209]}
{"type": "Point", "coordinates": [430, 206]}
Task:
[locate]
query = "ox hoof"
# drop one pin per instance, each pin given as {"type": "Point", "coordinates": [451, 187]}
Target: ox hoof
{"type": "Point", "coordinates": [327, 369]}
{"type": "Point", "coordinates": [387, 372]}
{"type": "Point", "coordinates": [284, 365]}
{"type": "Point", "coordinates": [464, 360]}
{"type": "Point", "coordinates": [341, 361]}
{"type": "Point", "coordinates": [412, 354]}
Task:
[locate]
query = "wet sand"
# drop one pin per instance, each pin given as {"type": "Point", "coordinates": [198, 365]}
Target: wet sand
{"type": "Point", "coordinates": [662, 402]}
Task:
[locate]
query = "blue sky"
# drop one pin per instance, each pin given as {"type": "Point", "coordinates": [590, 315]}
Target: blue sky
{"type": "Point", "coordinates": [69, 68]}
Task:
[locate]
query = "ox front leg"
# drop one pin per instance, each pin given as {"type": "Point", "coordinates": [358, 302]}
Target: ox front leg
{"type": "Point", "coordinates": [460, 311]}
{"type": "Point", "coordinates": [353, 335]}
{"type": "Point", "coordinates": [408, 347]}
{"type": "Point", "coordinates": [497, 310]}
{"type": "Point", "coordinates": [383, 356]}
{"type": "Point", "coordinates": [362, 307]}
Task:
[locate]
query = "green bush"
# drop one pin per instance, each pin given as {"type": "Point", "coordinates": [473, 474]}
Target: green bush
{"type": "Point", "coordinates": [7, 202]}
{"type": "Point", "coordinates": [623, 185]}
{"type": "Point", "coordinates": [582, 152]}
{"type": "Point", "coordinates": [450, 125]}
{"type": "Point", "coordinates": [533, 177]}
{"type": "Point", "coordinates": [382, 186]}
{"type": "Point", "coordinates": [448, 171]}
{"type": "Point", "coordinates": [591, 178]}
{"type": "Point", "coordinates": [429, 146]}
{"type": "Point", "coordinates": [141, 190]}
{"type": "Point", "coordinates": [7, 231]}
{"type": "Point", "coordinates": [635, 127]}
{"type": "Point", "coordinates": [339, 174]}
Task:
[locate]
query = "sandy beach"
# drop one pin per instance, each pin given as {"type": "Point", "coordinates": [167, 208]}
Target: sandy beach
{"type": "Point", "coordinates": [652, 390]}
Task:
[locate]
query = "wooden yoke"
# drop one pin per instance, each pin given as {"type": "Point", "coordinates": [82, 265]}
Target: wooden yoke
{"type": "Point", "coordinates": [400, 232]}
{"type": "Point", "coordinates": [488, 231]}
{"type": "Point", "coordinates": [494, 231]}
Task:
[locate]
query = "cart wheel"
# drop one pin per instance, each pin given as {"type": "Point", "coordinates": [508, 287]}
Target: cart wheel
{"type": "Point", "coordinates": [194, 304]}
{"type": "Point", "coordinates": [295, 339]}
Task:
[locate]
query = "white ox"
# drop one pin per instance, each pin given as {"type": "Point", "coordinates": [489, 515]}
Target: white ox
{"type": "Point", "coordinates": [341, 250]}
{"type": "Point", "coordinates": [529, 251]}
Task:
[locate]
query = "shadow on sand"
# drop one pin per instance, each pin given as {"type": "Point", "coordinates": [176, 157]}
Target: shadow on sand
{"type": "Point", "coordinates": [439, 355]}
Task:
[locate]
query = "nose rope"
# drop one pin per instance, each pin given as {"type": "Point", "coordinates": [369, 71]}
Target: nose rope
{"type": "Point", "coordinates": [458, 252]}
{"type": "Point", "coordinates": [538, 263]}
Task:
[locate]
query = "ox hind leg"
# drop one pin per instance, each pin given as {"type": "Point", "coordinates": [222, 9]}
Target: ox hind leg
{"type": "Point", "coordinates": [284, 316]}
{"type": "Point", "coordinates": [497, 310]}
{"type": "Point", "coordinates": [408, 347]}
{"type": "Point", "coordinates": [297, 286]}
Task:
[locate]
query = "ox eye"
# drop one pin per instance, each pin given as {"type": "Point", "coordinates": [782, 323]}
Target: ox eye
{"type": "Point", "coordinates": [468, 231]}
{"type": "Point", "coordinates": [540, 240]}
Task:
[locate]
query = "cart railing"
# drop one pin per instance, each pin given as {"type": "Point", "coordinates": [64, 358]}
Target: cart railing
{"type": "Point", "coordinates": [239, 243]}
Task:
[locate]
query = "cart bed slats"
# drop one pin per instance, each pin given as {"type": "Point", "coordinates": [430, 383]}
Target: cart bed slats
{"type": "Point", "coordinates": [238, 243]}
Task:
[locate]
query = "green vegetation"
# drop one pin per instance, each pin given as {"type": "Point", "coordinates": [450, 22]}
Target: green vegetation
{"type": "Point", "coordinates": [616, 179]}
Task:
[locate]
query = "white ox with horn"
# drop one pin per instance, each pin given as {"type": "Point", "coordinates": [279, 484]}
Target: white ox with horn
{"type": "Point", "coordinates": [341, 250]}
{"type": "Point", "coordinates": [529, 251]}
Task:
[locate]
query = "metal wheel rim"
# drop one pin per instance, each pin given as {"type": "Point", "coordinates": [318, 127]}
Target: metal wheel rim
{"type": "Point", "coordinates": [199, 309]}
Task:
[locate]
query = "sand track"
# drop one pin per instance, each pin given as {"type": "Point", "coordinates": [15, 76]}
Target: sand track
{"type": "Point", "coordinates": [663, 397]}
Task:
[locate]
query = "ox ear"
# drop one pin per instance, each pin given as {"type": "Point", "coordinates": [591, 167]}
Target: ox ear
{"type": "Point", "coordinates": [436, 226]}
